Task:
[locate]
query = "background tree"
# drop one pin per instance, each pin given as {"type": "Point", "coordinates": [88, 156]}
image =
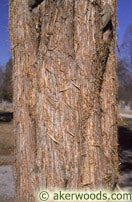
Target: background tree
{"type": "Point", "coordinates": [6, 87]}
{"type": "Point", "coordinates": [124, 67]}
{"type": "Point", "coordinates": [125, 81]}
{"type": "Point", "coordinates": [1, 81]}
{"type": "Point", "coordinates": [126, 47]}
{"type": "Point", "coordinates": [65, 94]}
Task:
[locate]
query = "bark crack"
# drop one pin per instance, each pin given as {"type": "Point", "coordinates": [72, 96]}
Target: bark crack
{"type": "Point", "coordinates": [39, 30]}
{"type": "Point", "coordinates": [34, 3]}
{"type": "Point", "coordinates": [74, 29]}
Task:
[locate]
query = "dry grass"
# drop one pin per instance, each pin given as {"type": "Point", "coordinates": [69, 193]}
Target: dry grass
{"type": "Point", "coordinates": [8, 108]}
{"type": "Point", "coordinates": [7, 140]}
{"type": "Point", "coordinates": [7, 147]}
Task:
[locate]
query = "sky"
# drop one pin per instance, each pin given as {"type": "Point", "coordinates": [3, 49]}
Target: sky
{"type": "Point", "coordinates": [124, 17]}
{"type": "Point", "coordinates": [4, 36]}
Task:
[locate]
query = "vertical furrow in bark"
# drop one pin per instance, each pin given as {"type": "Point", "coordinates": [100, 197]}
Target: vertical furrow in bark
{"type": "Point", "coordinates": [109, 110]}
{"type": "Point", "coordinates": [89, 65]}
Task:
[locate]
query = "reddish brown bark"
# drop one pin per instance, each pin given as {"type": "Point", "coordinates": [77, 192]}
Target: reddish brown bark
{"type": "Point", "coordinates": [65, 95]}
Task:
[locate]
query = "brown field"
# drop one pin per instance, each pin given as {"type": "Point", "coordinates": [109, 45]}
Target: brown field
{"type": "Point", "coordinates": [7, 140]}
{"type": "Point", "coordinates": [8, 108]}
{"type": "Point", "coordinates": [7, 160]}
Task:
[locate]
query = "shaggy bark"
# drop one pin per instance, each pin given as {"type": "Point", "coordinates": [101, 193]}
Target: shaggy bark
{"type": "Point", "coordinates": [65, 95]}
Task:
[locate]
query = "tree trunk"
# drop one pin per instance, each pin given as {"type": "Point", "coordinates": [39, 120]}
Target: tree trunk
{"type": "Point", "coordinates": [65, 95]}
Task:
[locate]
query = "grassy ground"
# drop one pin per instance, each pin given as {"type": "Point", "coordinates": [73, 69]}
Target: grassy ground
{"type": "Point", "coordinates": [7, 108]}
{"type": "Point", "coordinates": [7, 140]}
{"type": "Point", "coordinates": [7, 158]}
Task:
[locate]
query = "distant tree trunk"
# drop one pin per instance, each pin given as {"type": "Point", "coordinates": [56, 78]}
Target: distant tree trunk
{"type": "Point", "coordinates": [65, 95]}
{"type": "Point", "coordinates": [6, 87]}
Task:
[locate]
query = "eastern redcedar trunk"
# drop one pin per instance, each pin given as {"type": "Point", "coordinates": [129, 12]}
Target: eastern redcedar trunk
{"type": "Point", "coordinates": [65, 95]}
